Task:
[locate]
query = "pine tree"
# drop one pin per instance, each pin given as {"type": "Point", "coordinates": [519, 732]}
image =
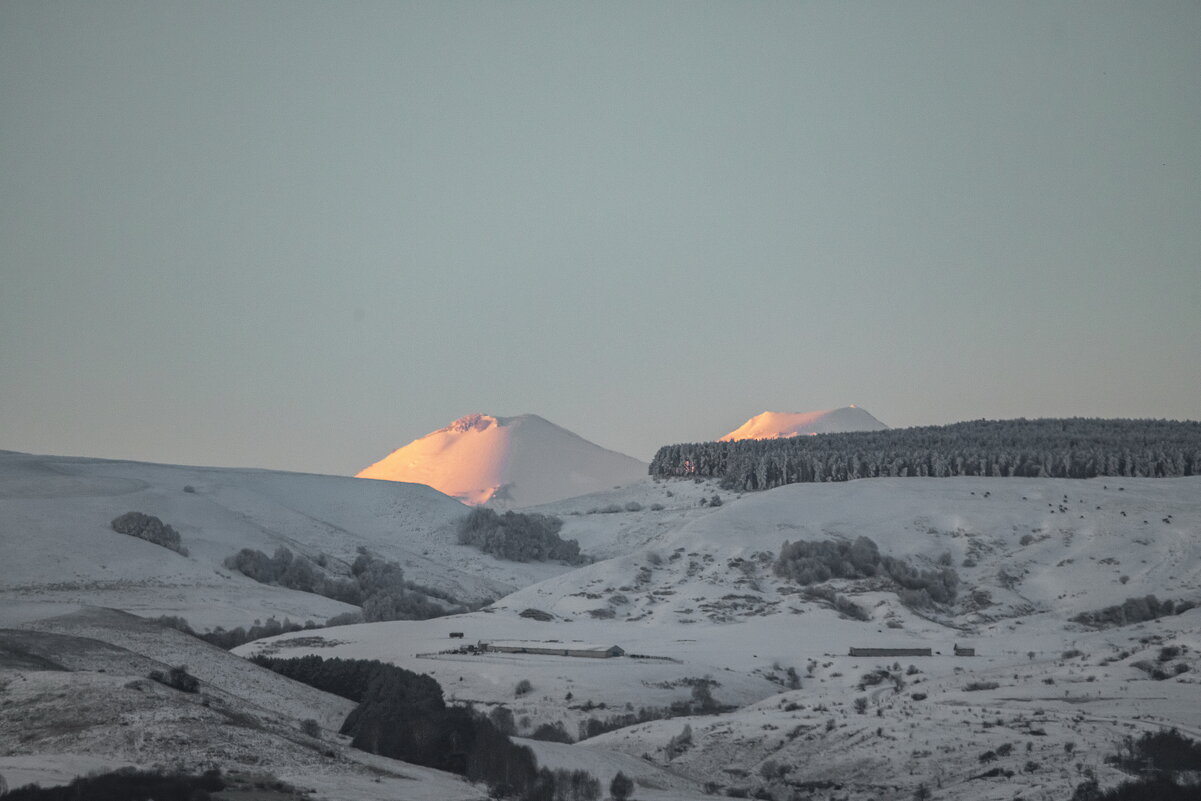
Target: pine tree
{"type": "Point", "coordinates": [621, 787]}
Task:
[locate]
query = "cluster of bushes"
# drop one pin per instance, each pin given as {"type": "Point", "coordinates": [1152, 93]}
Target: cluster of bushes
{"type": "Point", "coordinates": [575, 785]}
{"type": "Point", "coordinates": [700, 702]}
{"type": "Point", "coordinates": [1168, 764]}
{"type": "Point", "coordinates": [817, 561]}
{"type": "Point", "coordinates": [1058, 448]}
{"type": "Point", "coordinates": [552, 733]}
{"type": "Point", "coordinates": [536, 614]}
{"type": "Point", "coordinates": [177, 678]}
{"type": "Point", "coordinates": [376, 585]}
{"type": "Point", "coordinates": [518, 537]}
{"type": "Point", "coordinates": [1166, 751]}
{"type": "Point", "coordinates": [813, 562]}
{"type": "Point", "coordinates": [149, 528]}
{"type": "Point", "coordinates": [126, 784]}
{"type": "Point", "coordinates": [286, 569]}
{"type": "Point", "coordinates": [1132, 610]}
{"type": "Point", "coordinates": [1149, 788]}
{"type": "Point", "coordinates": [402, 715]}
{"type": "Point", "coordinates": [594, 727]}
{"type": "Point", "coordinates": [842, 604]}
{"type": "Point", "coordinates": [232, 638]}
{"type": "Point", "coordinates": [680, 743]}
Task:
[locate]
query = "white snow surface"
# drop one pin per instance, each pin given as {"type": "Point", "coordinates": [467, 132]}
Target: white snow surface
{"type": "Point", "coordinates": [58, 548]}
{"type": "Point", "coordinates": [507, 461]}
{"type": "Point", "coordinates": [686, 587]}
{"type": "Point", "coordinates": [781, 425]}
{"type": "Point", "coordinates": [698, 599]}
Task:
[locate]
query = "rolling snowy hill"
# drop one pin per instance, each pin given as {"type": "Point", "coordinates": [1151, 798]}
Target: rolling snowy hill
{"type": "Point", "coordinates": [58, 549]}
{"type": "Point", "coordinates": [779, 425]}
{"type": "Point", "coordinates": [77, 699]}
{"type": "Point", "coordinates": [698, 600]}
{"type": "Point", "coordinates": [507, 461]}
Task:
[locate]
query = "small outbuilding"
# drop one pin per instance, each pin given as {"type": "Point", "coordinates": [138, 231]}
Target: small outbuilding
{"type": "Point", "coordinates": [597, 652]}
{"type": "Point", "coordinates": [555, 649]}
{"type": "Point", "coordinates": [891, 652]}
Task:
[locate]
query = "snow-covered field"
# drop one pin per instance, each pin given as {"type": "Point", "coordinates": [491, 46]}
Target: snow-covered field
{"type": "Point", "coordinates": [687, 590]}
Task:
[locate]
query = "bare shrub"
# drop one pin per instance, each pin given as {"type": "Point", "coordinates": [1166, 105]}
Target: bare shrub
{"type": "Point", "coordinates": [177, 678]}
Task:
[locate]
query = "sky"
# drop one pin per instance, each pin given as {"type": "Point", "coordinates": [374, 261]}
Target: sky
{"type": "Point", "coordinates": [298, 235]}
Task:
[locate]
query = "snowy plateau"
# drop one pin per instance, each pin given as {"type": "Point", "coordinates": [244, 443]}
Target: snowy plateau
{"type": "Point", "coordinates": [733, 679]}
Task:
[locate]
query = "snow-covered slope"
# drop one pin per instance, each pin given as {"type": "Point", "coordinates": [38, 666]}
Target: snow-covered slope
{"type": "Point", "coordinates": [780, 425]}
{"type": "Point", "coordinates": [697, 599]}
{"type": "Point", "coordinates": [77, 699]}
{"type": "Point", "coordinates": [508, 461]}
{"type": "Point", "coordinates": [57, 547]}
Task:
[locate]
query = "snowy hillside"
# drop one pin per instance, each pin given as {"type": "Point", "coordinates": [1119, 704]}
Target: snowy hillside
{"type": "Point", "coordinates": [58, 548]}
{"type": "Point", "coordinates": [778, 425]}
{"type": "Point", "coordinates": [77, 699]}
{"type": "Point", "coordinates": [507, 461]}
{"type": "Point", "coordinates": [698, 602]}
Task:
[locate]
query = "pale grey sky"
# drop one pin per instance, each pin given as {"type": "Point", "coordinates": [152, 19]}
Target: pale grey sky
{"type": "Point", "coordinates": [298, 235]}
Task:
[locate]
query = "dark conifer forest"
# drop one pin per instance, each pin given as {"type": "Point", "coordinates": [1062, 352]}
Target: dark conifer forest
{"type": "Point", "coordinates": [1056, 448]}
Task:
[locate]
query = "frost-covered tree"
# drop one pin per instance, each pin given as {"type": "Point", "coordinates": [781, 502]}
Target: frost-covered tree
{"type": "Point", "coordinates": [518, 537]}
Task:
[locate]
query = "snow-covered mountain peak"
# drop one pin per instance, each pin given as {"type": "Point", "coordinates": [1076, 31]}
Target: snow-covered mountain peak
{"type": "Point", "coordinates": [471, 422]}
{"type": "Point", "coordinates": [780, 425]}
{"type": "Point", "coordinates": [512, 461]}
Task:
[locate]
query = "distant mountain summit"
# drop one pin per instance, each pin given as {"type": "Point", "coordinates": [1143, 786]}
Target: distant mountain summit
{"type": "Point", "coordinates": [780, 425]}
{"type": "Point", "coordinates": [507, 461]}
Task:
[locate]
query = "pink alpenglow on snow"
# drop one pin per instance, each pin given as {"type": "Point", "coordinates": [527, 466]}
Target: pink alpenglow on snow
{"type": "Point", "coordinates": [779, 425]}
{"type": "Point", "coordinates": [507, 461]}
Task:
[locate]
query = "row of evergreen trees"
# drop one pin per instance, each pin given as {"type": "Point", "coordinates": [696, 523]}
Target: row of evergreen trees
{"type": "Point", "coordinates": [124, 784]}
{"type": "Point", "coordinates": [1133, 610]}
{"type": "Point", "coordinates": [1057, 448]}
{"type": "Point", "coordinates": [402, 715]}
